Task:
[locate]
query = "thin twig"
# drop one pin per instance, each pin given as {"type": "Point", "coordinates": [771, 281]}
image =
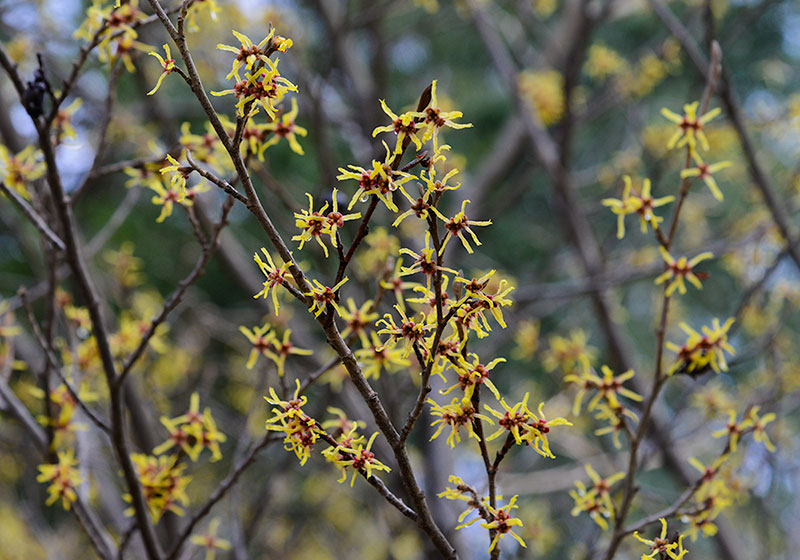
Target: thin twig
{"type": "Point", "coordinates": [176, 297]}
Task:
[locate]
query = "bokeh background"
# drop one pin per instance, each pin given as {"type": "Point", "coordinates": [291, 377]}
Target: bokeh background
{"type": "Point", "coordinates": [346, 56]}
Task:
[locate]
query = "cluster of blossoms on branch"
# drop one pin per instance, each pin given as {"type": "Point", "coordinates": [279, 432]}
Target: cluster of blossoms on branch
{"type": "Point", "coordinates": [437, 325]}
{"type": "Point", "coordinates": [717, 487]}
{"type": "Point", "coordinates": [431, 327]}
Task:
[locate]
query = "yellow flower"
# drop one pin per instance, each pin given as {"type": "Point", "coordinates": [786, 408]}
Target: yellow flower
{"type": "Point", "coordinates": [734, 429]}
{"type": "Point", "coordinates": [178, 437]}
{"type": "Point", "coordinates": [312, 223]}
{"type": "Point", "coordinates": [607, 387]}
{"type": "Point", "coordinates": [376, 356]}
{"type": "Point", "coordinates": [759, 423]}
{"type": "Point", "coordinates": [335, 219]}
{"type": "Point", "coordinates": [596, 501]}
{"type": "Point", "coordinates": [126, 44]}
{"type": "Point", "coordinates": [283, 349]}
{"type": "Point", "coordinates": [344, 426]}
{"type": "Point", "coordinates": [690, 128]}
{"type": "Point", "coordinates": [210, 541]}
{"type": "Point", "coordinates": [276, 276]}
{"type": "Point", "coordinates": [425, 262]}
{"type": "Point", "coordinates": [544, 91]}
{"type": "Point", "coordinates": [460, 223]}
{"type": "Point", "coordinates": [459, 413]}
{"type": "Point", "coordinates": [479, 289]}
{"type": "Point", "coordinates": [704, 171]}
{"type": "Point", "coordinates": [288, 417]}
{"type": "Point", "coordinates": [193, 432]}
{"type": "Point", "coordinates": [62, 123]}
{"type": "Point", "coordinates": [63, 477]}
{"type": "Point", "coordinates": [615, 419]}
{"type": "Point", "coordinates": [380, 181]}
{"type": "Point", "coordinates": [567, 353]}
{"type": "Point", "coordinates": [700, 351]}
{"type": "Point", "coordinates": [473, 373]}
{"type": "Point", "coordinates": [260, 338]}
{"type": "Point", "coordinates": [358, 319]}
{"type": "Point", "coordinates": [205, 148]}
{"type": "Point", "coordinates": [435, 120]}
{"type": "Point", "coordinates": [461, 492]}
{"type": "Point", "coordinates": [247, 54]}
{"type": "Point", "coordinates": [163, 484]}
{"type": "Point", "coordinates": [537, 429]}
{"type": "Point", "coordinates": [545, 8]}
{"type": "Point", "coordinates": [167, 197]}
{"type": "Point", "coordinates": [680, 270]}
{"type": "Point", "coordinates": [18, 170]}
{"type": "Point", "coordinates": [662, 546]}
{"type": "Point", "coordinates": [502, 523]}
{"type": "Point", "coordinates": [167, 66]}
{"type": "Point", "coordinates": [642, 204]}
{"type": "Point", "coordinates": [526, 339]}
{"type": "Point", "coordinates": [352, 453]}
{"type": "Point", "coordinates": [602, 62]}
{"type": "Point", "coordinates": [286, 128]}
{"type": "Point", "coordinates": [265, 87]}
{"type": "Point", "coordinates": [323, 296]}
{"type": "Point", "coordinates": [409, 330]}
{"type": "Point", "coordinates": [405, 126]}
{"type": "Point", "coordinates": [315, 224]}
{"type": "Point", "coordinates": [590, 503]}
{"type": "Point", "coordinates": [125, 267]}
{"type": "Point", "coordinates": [514, 420]}
{"type": "Point", "coordinates": [708, 475]}
{"type": "Point", "coordinates": [177, 173]}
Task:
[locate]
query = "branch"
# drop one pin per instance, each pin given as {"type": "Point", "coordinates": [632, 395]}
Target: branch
{"type": "Point", "coordinates": [53, 362]}
{"type": "Point", "coordinates": [33, 216]}
{"type": "Point", "coordinates": [219, 493]}
{"type": "Point", "coordinates": [734, 111]}
{"type": "Point", "coordinates": [221, 183]}
{"type": "Point", "coordinates": [177, 295]}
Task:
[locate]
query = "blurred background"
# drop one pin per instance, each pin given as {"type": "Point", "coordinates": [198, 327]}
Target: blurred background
{"type": "Point", "coordinates": [597, 75]}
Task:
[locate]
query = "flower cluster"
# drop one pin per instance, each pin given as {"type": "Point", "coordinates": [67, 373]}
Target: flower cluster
{"type": "Point", "coordinates": [460, 413]}
{"type": "Point", "coordinates": [192, 432]}
{"type": "Point", "coordinates": [431, 324]}
{"type": "Point", "coordinates": [114, 29]}
{"type": "Point", "coordinates": [524, 426]}
{"type": "Point", "coordinates": [16, 171]}
{"type": "Point", "coordinates": [262, 85]}
{"type": "Point", "coordinates": [63, 477]}
{"type": "Point", "coordinates": [500, 522]}
{"type": "Point", "coordinates": [609, 387]}
{"type": "Point", "coordinates": [314, 224]}
{"type": "Point", "coordinates": [642, 204]}
{"type": "Point", "coordinates": [301, 431]}
{"type": "Point", "coordinates": [266, 343]}
{"type": "Point", "coordinates": [163, 483]}
{"type": "Point", "coordinates": [703, 350]}
{"type": "Point", "coordinates": [64, 408]}
{"type": "Point", "coordinates": [680, 270]}
{"type": "Point", "coordinates": [596, 500]}
{"type": "Point", "coordinates": [663, 547]}
{"type": "Point", "coordinates": [350, 452]}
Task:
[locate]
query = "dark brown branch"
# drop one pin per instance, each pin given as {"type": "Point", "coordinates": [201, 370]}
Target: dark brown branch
{"type": "Point", "coordinates": [33, 216]}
